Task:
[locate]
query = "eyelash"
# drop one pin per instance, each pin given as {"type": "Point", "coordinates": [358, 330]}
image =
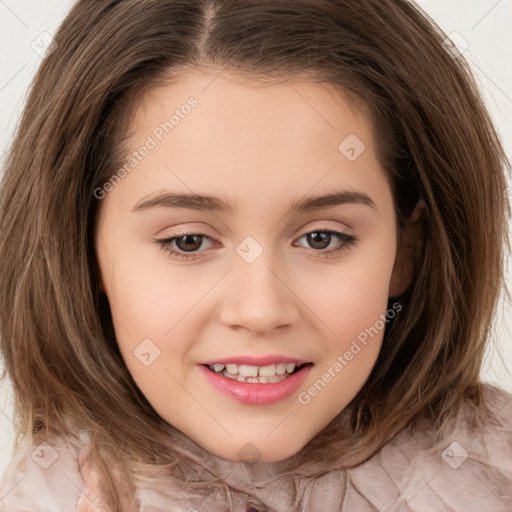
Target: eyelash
{"type": "Point", "coordinates": [347, 242]}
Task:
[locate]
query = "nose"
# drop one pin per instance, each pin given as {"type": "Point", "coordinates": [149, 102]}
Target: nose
{"type": "Point", "coordinates": [258, 297]}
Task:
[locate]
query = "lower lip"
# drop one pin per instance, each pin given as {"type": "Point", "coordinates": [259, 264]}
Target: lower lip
{"type": "Point", "coordinates": [255, 393]}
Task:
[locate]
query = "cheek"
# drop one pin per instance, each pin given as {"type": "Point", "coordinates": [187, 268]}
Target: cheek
{"type": "Point", "coordinates": [361, 298]}
{"type": "Point", "coordinates": [157, 310]}
{"type": "Point", "coordinates": [351, 297]}
{"type": "Point", "coordinates": [149, 295]}
{"type": "Point", "coordinates": [354, 316]}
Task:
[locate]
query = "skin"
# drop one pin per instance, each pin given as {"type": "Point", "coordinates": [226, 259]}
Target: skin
{"type": "Point", "coordinates": [260, 147]}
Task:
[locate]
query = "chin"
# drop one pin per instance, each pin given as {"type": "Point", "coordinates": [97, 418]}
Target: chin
{"type": "Point", "coordinates": [251, 452]}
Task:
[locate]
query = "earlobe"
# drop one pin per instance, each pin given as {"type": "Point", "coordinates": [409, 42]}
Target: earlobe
{"type": "Point", "coordinates": [409, 250]}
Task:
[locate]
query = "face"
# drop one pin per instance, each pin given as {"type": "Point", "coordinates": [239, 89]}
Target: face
{"type": "Point", "coordinates": [248, 252]}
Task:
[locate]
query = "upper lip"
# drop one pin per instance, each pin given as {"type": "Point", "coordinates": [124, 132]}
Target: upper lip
{"type": "Point", "coordinates": [256, 361]}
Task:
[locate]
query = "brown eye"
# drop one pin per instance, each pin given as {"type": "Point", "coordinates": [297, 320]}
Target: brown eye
{"type": "Point", "coordinates": [186, 246]}
{"type": "Point", "coordinates": [319, 239]}
{"type": "Point", "coordinates": [189, 243]}
{"type": "Point", "coordinates": [327, 242]}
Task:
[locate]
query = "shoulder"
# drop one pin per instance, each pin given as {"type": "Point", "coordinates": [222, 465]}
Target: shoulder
{"type": "Point", "coordinates": [45, 475]}
{"type": "Point", "coordinates": [469, 469]}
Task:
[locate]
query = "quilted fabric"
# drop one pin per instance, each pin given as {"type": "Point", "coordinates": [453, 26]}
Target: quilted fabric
{"type": "Point", "coordinates": [463, 473]}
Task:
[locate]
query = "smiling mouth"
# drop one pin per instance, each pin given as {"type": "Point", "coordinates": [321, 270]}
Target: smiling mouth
{"type": "Point", "coordinates": [257, 374]}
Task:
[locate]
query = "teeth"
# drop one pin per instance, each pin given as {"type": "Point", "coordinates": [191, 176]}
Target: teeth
{"type": "Point", "coordinates": [260, 380]}
{"type": "Point", "coordinates": [253, 372]}
{"type": "Point", "coordinates": [248, 371]}
{"type": "Point", "coordinates": [281, 368]}
{"type": "Point", "coordinates": [254, 380]}
{"type": "Point", "coordinates": [232, 369]}
{"type": "Point", "coordinates": [267, 371]}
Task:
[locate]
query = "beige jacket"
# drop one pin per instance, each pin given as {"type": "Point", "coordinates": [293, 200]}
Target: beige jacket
{"type": "Point", "coordinates": [464, 473]}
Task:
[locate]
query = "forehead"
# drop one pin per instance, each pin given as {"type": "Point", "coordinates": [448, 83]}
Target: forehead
{"type": "Point", "coordinates": [209, 131]}
{"type": "Point", "coordinates": [301, 99]}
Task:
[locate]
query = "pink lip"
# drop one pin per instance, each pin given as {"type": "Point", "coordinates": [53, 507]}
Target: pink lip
{"type": "Point", "coordinates": [256, 361]}
{"type": "Point", "coordinates": [255, 393]}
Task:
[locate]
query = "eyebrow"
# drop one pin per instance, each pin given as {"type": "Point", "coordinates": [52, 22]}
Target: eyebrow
{"type": "Point", "coordinates": [215, 204]}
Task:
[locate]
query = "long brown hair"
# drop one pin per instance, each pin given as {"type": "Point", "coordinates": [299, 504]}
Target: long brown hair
{"type": "Point", "coordinates": [436, 142]}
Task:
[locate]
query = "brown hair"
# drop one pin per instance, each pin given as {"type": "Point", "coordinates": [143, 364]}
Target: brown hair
{"type": "Point", "coordinates": [436, 142]}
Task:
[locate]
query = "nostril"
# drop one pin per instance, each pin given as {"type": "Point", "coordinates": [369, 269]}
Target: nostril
{"type": "Point", "coordinates": [252, 509]}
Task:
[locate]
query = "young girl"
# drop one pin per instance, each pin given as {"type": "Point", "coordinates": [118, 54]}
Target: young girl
{"type": "Point", "coordinates": [251, 252]}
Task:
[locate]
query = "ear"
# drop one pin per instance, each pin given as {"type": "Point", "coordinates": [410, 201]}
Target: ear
{"type": "Point", "coordinates": [408, 250]}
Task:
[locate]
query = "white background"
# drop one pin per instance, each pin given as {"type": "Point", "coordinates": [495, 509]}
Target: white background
{"type": "Point", "coordinates": [483, 24]}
